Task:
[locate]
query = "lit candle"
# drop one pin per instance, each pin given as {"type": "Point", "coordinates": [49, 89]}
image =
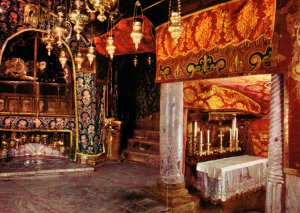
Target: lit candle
{"type": "Point", "coordinates": [201, 137]}
{"type": "Point", "coordinates": [207, 136]}
{"type": "Point", "coordinates": [195, 129]}
{"type": "Point", "coordinates": [233, 127]}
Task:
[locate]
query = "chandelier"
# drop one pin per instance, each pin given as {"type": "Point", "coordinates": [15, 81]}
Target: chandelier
{"type": "Point", "coordinates": [59, 28]}
{"type": "Point", "coordinates": [175, 27]}
{"type": "Point", "coordinates": [104, 7]}
{"type": "Point", "coordinates": [137, 25]}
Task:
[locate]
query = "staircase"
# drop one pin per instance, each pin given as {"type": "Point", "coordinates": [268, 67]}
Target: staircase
{"type": "Point", "coordinates": [144, 146]}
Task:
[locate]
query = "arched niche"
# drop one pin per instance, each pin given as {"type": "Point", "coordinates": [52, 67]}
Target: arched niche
{"type": "Point", "coordinates": [41, 102]}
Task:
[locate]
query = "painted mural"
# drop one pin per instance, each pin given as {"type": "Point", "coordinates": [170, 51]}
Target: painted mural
{"type": "Point", "coordinates": [230, 39]}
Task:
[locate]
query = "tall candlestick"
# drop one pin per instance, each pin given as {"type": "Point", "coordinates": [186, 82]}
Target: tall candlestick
{"type": "Point", "coordinates": [208, 137]}
{"type": "Point", "coordinates": [195, 129]}
{"type": "Point", "coordinates": [201, 144]}
{"type": "Point", "coordinates": [201, 137]}
{"type": "Point", "coordinates": [233, 127]}
{"type": "Point", "coordinates": [208, 144]}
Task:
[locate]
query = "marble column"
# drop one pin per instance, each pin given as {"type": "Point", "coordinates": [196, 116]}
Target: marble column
{"type": "Point", "coordinates": [275, 148]}
{"type": "Point", "coordinates": [170, 188]}
{"type": "Point", "coordinates": [171, 133]}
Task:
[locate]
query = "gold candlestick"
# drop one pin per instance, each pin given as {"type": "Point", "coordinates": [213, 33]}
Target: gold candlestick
{"type": "Point", "coordinates": [209, 152]}
{"type": "Point", "coordinates": [237, 148]}
{"type": "Point", "coordinates": [201, 152]}
{"type": "Point", "coordinates": [221, 135]}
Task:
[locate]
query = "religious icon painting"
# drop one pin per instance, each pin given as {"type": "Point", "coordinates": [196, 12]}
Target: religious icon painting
{"type": "Point", "coordinates": [2, 105]}
{"type": "Point", "coordinates": [41, 106]}
{"type": "Point", "coordinates": [27, 105]}
{"type": "Point", "coordinates": [63, 107]}
{"type": "Point", "coordinates": [13, 105]}
{"type": "Point", "coordinates": [51, 106]}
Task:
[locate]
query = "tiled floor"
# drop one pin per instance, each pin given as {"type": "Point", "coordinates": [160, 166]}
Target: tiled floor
{"type": "Point", "coordinates": [22, 166]}
{"type": "Point", "coordinates": [113, 187]}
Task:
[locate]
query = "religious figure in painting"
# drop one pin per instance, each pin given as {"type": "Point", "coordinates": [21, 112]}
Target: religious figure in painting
{"type": "Point", "coordinates": [1, 105]}
{"type": "Point", "coordinates": [16, 68]}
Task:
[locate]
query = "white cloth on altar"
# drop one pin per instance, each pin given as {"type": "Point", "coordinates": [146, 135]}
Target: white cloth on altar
{"type": "Point", "coordinates": [35, 149]}
{"type": "Point", "coordinates": [221, 179]}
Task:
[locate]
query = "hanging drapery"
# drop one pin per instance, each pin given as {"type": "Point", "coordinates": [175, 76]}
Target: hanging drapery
{"type": "Point", "coordinates": [123, 41]}
{"type": "Point", "coordinates": [229, 39]}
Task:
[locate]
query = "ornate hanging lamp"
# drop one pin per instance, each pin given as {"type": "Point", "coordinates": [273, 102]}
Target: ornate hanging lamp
{"type": "Point", "coordinates": [47, 38]}
{"type": "Point", "coordinates": [110, 47]}
{"type": "Point", "coordinates": [91, 54]}
{"type": "Point", "coordinates": [78, 19]}
{"type": "Point", "coordinates": [135, 61]}
{"type": "Point", "coordinates": [137, 25]}
{"type": "Point", "coordinates": [175, 27]}
{"type": "Point", "coordinates": [59, 31]}
{"type": "Point", "coordinates": [103, 7]}
{"type": "Point", "coordinates": [79, 58]}
{"type": "Point", "coordinates": [62, 58]}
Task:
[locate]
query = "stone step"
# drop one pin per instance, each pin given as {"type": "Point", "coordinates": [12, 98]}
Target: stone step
{"type": "Point", "coordinates": [143, 148]}
{"type": "Point", "coordinates": [147, 158]}
{"type": "Point", "coordinates": [149, 123]}
{"type": "Point", "coordinates": [146, 134]}
{"type": "Point", "coordinates": [143, 145]}
{"type": "Point", "coordinates": [144, 141]}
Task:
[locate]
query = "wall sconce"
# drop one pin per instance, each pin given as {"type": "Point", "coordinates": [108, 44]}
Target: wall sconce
{"type": "Point", "coordinates": [175, 27]}
{"type": "Point", "coordinates": [137, 25]}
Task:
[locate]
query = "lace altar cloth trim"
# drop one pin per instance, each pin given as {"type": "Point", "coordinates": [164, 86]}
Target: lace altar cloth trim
{"type": "Point", "coordinates": [224, 178]}
{"type": "Point", "coordinates": [34, 149]}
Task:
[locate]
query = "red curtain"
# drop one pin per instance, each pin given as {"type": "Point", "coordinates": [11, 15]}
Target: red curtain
{"type": "Point", "coordinates": [123, 41]}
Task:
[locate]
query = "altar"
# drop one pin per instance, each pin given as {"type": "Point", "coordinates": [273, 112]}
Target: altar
{"type": "Point", "coordinates": [222, 179]}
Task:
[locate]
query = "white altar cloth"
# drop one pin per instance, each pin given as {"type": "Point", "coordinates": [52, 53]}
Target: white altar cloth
{"type": "Point", "coordinates": [224, 178]}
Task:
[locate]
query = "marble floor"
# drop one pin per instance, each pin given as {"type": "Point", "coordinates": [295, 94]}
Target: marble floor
{"type": "Point", "coordinates": [111, 188]}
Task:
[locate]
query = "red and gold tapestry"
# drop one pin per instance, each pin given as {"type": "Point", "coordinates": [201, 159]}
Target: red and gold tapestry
{"type": "Point", "coordinates": [229, 39]}
{"type": "Point", "coordinates": [209, 97]}
{"type": "Point", "coordinates": [122, 40]}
